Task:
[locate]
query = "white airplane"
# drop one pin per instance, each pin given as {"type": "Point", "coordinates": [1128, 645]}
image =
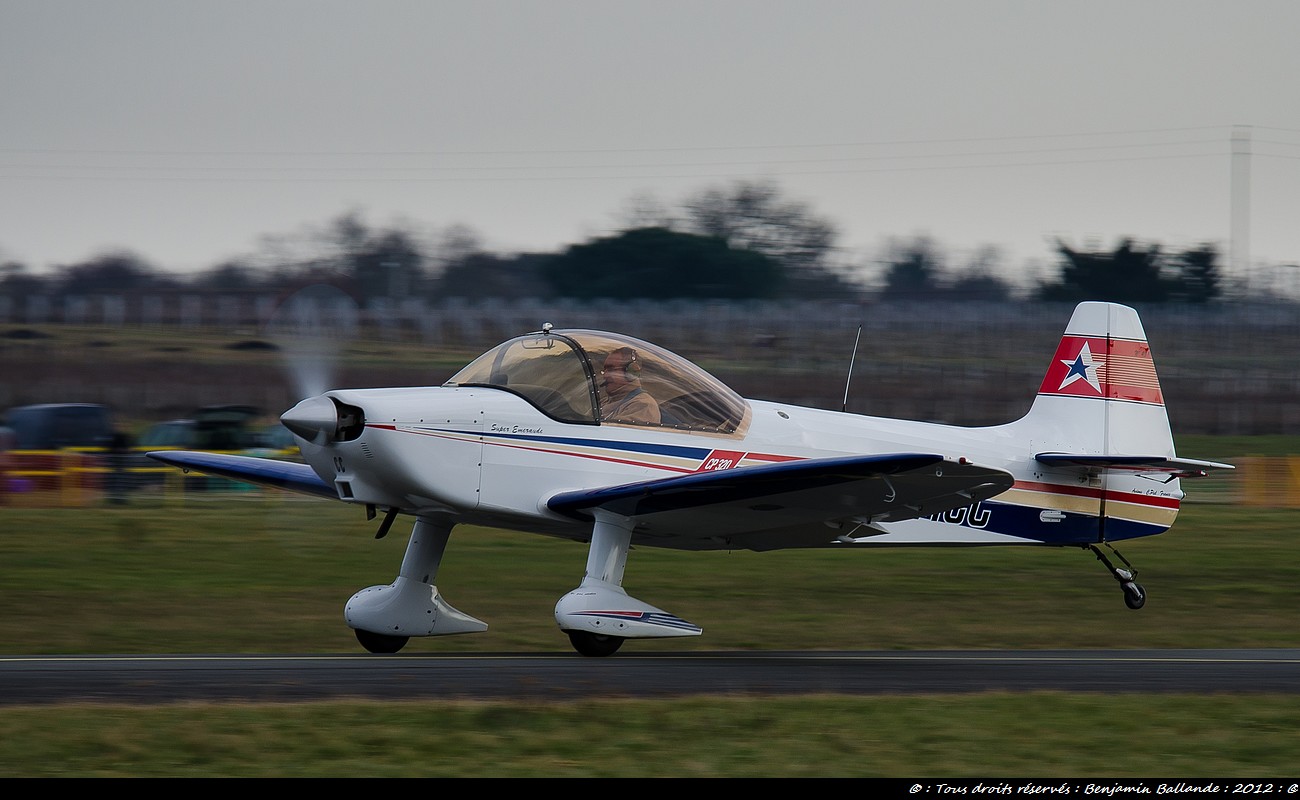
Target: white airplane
{"type": "Point", "coordinates": [601, 438]}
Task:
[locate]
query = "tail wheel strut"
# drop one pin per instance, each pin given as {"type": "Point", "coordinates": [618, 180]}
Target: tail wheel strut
{"type": "Point", "coordinates": [1135, 596]}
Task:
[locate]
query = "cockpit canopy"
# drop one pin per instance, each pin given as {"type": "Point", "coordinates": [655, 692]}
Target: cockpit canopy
{"type": "Point", "coordinates": [560, 372]}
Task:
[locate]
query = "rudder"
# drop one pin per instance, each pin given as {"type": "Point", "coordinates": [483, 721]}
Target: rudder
{"type": "Point", "coordinates": [1100, 393]}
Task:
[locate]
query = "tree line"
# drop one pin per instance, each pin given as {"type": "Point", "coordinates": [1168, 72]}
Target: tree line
{"type": "Point", "coordinates": [741, 241]}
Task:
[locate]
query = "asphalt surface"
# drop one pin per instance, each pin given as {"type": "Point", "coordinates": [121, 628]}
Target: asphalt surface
{"type": "Point", "coordinates": [280, 678]}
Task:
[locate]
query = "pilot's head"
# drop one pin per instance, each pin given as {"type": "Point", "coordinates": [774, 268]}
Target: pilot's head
{"type": "Point", "coordinates": [621, 372]}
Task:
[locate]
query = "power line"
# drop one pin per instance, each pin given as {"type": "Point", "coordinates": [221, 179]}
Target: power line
{"type": "Point", "coordinates": [537, 178]}
{"type": "Point", "coordinates": [422, 173]}
{"type": "Point", "coordinates": [588, 151]}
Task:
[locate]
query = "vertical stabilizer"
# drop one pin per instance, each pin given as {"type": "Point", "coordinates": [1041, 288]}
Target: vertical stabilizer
{"type": "Point", "coordinates": [1101, 394]}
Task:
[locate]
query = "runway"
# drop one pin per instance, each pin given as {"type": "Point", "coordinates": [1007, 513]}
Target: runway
{"type": "Point", "coordinates": [287, 678]}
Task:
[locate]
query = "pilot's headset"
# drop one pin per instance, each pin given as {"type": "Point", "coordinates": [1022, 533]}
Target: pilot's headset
{"type": "Point", "coordinates": [633, 366]}
{"type": "Point", "coordinates": [633, 363]}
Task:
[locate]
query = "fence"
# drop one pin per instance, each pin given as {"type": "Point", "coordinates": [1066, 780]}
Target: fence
{"type": "Point", "coordinates": [487, 321]}
{"type": "Point", "coordinates": [1224, 369]}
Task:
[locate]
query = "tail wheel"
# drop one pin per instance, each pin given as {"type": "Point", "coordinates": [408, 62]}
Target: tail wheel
{"type": "Point", "coordinates": [1134, 595]}
{"type": "Point", "coordinates": [594, 645]}
{"type": "Point", "coordinates": [380, 642]}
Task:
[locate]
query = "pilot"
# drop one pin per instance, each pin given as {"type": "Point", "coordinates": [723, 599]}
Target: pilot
{"type": "Point", "coordinates": [624, 399]}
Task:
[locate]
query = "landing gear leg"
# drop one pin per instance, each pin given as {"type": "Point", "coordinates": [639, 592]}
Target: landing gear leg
{"type": "Point", "coordinates": [599, 615]}
{"type": "Point", "coordinates": [1134, 595]}
{"type": "Point", "coordinates": [385, 617]}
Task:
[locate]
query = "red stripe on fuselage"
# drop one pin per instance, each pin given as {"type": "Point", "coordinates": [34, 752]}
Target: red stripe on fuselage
{"type": "Point", "coordinates": [736, 456]}
{"type": "Point", "coordinates": [1097, 494]}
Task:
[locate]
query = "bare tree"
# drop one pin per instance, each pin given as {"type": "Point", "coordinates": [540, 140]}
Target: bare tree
{"type": "Point", "coordinates": [754, 216]}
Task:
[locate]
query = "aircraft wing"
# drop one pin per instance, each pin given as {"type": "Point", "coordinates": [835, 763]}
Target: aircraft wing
{"type": "Point", "coordinates": [264, 471]}
{"type": "Point", "coordinates": [806, 498]}
{"type": "Point", "coordinates": [1173, 467]}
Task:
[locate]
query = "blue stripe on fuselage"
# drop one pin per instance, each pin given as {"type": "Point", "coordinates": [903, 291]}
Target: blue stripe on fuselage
{"type": "Point", "coordinates": [652, 448]}
{"type": "Point", "coordinates": [1025, 521]}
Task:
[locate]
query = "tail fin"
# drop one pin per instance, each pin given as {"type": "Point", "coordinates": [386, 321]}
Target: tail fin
{"type": "Point", "coordinates": [1100, 394]}
{"type": "Point", "coordinates": [1098, 425]}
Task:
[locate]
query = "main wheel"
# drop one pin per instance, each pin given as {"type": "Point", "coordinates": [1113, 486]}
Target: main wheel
{"type": "Point", "coordinates": [381, 642]}
{"type": "Point", "coordinates": [596, 645]}
{"type": "Point", "coordinates": [1134, 595]}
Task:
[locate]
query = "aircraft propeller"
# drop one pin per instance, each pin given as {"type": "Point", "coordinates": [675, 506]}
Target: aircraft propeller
{"type": "Point", "coordinates": [309, 327]}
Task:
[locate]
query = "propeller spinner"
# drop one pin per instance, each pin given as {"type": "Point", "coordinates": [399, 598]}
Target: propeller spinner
{"type": "Point", "coordinates": [322, 420]}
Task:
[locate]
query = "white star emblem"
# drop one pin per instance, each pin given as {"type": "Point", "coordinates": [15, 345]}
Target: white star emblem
{"type": "Point", "coordinates": [1082, 367]}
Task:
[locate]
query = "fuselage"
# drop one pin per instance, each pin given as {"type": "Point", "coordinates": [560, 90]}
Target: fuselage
{"type": "Point", "coordinates": [489, 456]}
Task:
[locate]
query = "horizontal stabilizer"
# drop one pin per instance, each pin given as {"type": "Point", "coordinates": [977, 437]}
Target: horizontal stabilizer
{"type": "Point", "coordinates": [1174, 467]}
{"type": "Point", "coordinates": [285, 475]}
{"type": "Point", "coordinates": [809, 492]}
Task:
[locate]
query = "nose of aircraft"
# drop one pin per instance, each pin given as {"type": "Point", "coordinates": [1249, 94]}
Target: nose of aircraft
{"type": "Point", "coordinates": [315, 419]}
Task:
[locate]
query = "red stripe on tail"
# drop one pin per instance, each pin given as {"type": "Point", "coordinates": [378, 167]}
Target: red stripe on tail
{"type": "Point", "coordinates": [1114, 369]}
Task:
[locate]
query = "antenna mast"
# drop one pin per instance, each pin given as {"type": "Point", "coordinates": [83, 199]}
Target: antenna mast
{"type": "Point", "coordinates": [849, 379]}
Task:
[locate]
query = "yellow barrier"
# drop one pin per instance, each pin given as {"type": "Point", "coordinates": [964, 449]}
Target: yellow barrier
{"type": "Point", "coordinates": [79, 477]}
{"type": "Point", "coordinates": [1272, 482]}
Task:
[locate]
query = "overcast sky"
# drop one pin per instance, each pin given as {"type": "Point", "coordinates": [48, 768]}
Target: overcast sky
{"type": "Point", "coordinates": [184, 131]}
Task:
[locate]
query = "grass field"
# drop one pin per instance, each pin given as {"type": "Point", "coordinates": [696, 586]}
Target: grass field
{"type": "Point", "coordinates": [269, 573]}
{"type": "Point", "coordinates": [172, 578]}
{"type": "Point", "coordinates": [1051, 736]}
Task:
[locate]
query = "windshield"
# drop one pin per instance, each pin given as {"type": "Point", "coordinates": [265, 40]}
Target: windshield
{"type": "Point", "coordinates": [605, 378]}
{"type": "Point", "coordinates": [547, 370]}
